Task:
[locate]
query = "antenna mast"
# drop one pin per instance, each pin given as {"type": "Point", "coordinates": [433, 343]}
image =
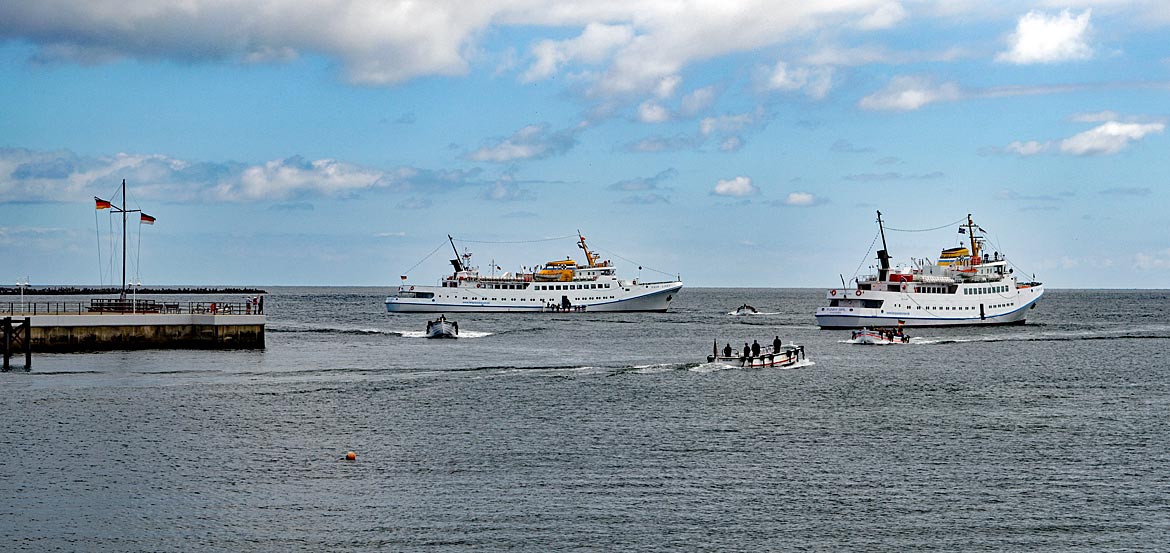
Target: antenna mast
{"type": "Point", "coordinates": [882, 254]}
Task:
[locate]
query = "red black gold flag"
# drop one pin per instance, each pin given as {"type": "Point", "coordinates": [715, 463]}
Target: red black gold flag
{"type": "Point", "coordinates": [101, 204]}
{"type": "Point", "coordinates": [147, 219]}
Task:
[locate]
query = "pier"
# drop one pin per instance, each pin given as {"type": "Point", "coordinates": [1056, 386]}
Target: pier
{"type": "Point", "coordinates": [119, 324]}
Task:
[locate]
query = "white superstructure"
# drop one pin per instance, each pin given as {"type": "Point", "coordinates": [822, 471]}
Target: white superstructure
{"type": "Point", "coordinates": [561, 286]}
{"type": "Point", "coordinates": [965, 287]}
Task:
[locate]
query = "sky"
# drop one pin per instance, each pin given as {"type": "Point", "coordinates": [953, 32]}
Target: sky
{"type": "Point", "coordinates": [732, 143]}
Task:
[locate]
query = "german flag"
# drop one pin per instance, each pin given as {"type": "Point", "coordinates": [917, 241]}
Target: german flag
{"type": "Point", "coordinates": [147, 219]}
{"type": "Point", "coordinates": [101, 204]}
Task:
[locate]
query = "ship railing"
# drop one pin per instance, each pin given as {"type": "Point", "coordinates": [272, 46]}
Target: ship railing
{"type": "Point", "coordinates": [129, 306]}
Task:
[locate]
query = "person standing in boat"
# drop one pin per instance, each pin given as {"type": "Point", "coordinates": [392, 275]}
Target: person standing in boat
{"type": "Point", "coordinates": [747, 351]}
{"type": "Point", "coordinates": [776, 344]}
{"type": "Point", "coordinates": [727, 350]}
{"type": "Point", "coordinates": [755, 348]}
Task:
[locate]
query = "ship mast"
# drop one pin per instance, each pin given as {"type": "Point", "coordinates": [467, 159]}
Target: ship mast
{"type": "Point", "coordinates": [455, 262]}
{"type": "Point", "coordinates": [975, 256]}
{"type": "Point", "coordinates": [882, 254]}
{"type": "Point", "coordinates": [589, 257]}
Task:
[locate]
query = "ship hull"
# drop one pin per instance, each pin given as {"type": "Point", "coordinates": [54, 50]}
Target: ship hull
{"type": "Point", "coordinates": [954, 311]}
{"type": "Point", "coordinates": [654, 297]}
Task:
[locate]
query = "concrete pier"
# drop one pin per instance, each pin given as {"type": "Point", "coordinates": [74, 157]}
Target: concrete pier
{"type": "Point", "coordinates": [190, 326]}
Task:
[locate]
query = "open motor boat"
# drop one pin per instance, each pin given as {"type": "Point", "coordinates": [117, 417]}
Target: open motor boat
{"type": "Point", "coordinates": [442, 328]}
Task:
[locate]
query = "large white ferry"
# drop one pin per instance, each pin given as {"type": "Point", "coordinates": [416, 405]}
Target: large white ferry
{"type": "Point", "coordinates": [965, 287]}
{"type": "Point", "coordinates": [563, 285]}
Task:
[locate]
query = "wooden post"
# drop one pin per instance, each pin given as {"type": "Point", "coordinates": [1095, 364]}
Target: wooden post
{"type": "Point", "coordinates": [19, 336]}
{"type": "Point", "coordinates": [28, 343]}
{"type": "Point", "coordinates": [7, 331]}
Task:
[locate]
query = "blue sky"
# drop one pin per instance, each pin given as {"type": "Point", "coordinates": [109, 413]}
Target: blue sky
{"type": "Point", "coordinates": [734, 143]}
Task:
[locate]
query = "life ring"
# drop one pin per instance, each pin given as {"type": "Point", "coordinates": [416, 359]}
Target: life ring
{"type": "Point", "coordinates": [832, 292]}
{"type": "Point", "coordinates": [903, 286]}
{"type": "Point", "coordinates": [412, 287]}
{"type": "Point", "coordinates": [479, 286]}
{"type": "Point", "coordinates": [858, 292]}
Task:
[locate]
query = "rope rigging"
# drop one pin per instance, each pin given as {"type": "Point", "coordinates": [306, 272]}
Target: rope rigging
{"type": "Point", "coordinates": [428, 256]}
{"type": "Point", "coordinates": [866, 256]}
{"type": "Point", "coordinates": [959, 222]}
{"type": "Point", "coordinates": [640, 266]}
{"type": "Point", "coordinates": [515, 241]}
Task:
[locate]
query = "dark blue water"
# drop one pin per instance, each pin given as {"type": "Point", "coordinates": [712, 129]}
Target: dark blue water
{"type": "Point", "coordinates": [602, 432]}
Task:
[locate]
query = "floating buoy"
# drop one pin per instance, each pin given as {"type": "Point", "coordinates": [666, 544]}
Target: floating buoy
{"type": "Point", "coordinates": [350, 456]}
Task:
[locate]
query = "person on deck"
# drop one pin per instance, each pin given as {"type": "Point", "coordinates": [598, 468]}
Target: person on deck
{"type": "Point", "coordinates": [727, 350]}
{"type": "Point", "coordinates": [755, 348]}
{"type": "Point", "coordinates": [776, 345]}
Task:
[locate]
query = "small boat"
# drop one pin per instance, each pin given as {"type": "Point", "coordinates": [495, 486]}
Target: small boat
{"type": "Point", "coordinates": [879, 336]}
{"type": "Point", "coordinates": [745, 309]}
{"type": "Point", "coordinates": [442, 328]}
{"type": "Point", "coordinates": [769, 356]}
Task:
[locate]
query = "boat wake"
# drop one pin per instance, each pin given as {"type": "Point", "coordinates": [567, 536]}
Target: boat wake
{"type": "Point", "coordinates": [1152, 333]}
{"type": "Point", "coordinates": [369, 331]}
{"type": "Point", "coordinates": [753, 313]}
{"type": "Point", "coordinates": [423, 334]}
{"type": "Point", "coordinates": [716, 366]}
{"type": "Point", "coordinates": [914, 340]}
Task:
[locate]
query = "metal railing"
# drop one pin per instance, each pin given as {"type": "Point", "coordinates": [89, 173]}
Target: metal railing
{"type": "Point", "coordinates": [121, 307]}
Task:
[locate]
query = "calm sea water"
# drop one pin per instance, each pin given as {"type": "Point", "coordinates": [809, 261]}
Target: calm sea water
{"type": "Point", "coordinates": [602, 432]}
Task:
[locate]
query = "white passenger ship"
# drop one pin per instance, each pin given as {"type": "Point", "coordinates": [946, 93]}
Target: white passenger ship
{"type": "Point", "coordinates": [559, 286]}
{"type": "Point", "coordinates": [965, 287]}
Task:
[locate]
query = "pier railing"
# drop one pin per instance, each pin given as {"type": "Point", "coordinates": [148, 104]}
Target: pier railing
{"type": "Point", "coordinates": [130, 306]}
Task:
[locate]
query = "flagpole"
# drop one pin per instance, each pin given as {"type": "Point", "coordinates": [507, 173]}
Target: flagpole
{"type": "Point", "coordinates": [124, 206]}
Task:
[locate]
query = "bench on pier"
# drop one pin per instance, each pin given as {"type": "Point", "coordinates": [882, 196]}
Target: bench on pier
{"type": "Point", "coordinates": [125, 306]}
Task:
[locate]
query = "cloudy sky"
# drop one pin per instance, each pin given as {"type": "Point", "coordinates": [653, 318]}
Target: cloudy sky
{"type": "Point", "coordinates": [737, 143]}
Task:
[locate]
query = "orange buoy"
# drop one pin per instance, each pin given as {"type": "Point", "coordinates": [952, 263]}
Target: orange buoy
{"type": "Point", "coordinates": [350, 456]}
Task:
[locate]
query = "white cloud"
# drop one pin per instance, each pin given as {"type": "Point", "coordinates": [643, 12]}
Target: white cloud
{"type": "Point", "coordinates": [667, 86]}
{"type": "Point", "coordinates": [814, 81]}
{"type": "Point", "coordinates": [1108, 138]}
{"type": "Point", "coordinates": [865, 54]}
{"type": "Point", "coordinates": [732, 123]}
{"type": "Point", "coordinates": [885, 16]}
{"type": "Point", "coordinates": [652, 112]}
{"type": "Point", "coordinates": [281, 178]}
{"type": "Point", "coordinates": [595, 44]}
{"type": "Point", "coordinates": [530, 142]}
{"type": "Point", "coordinates": [739, 186]}
{"type": "Point", "coordinates": [1040, 38]}
{"type": "Point", "coordinates": [62, 176]}
{"type": "Point", "coordinates": [698, 100]}
{"type": "Point", "coordinates": [731, 144]}
{"type": "Point", "coordinates": [1155, 261]}
{"type": "Point", "coordinates": [630, 48]}
{"type": "Point", "coordinates": [1094, 117]}
{"type": "Point", "coordinates": [908, 93]}
{"type": "Point", "coordinates": [800, 199]}
{"type": "Point", "coordinates": [1028, 148]}
{"type": "Point", "coordinates": [505, 190]}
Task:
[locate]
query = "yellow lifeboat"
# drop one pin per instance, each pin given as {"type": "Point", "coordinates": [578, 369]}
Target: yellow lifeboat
{"type": "Point", "coordinates": [950, 256]}
{"type": "Point", "coordinates": [562, 271]}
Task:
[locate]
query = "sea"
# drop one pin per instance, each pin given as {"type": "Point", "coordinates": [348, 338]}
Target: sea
{"type": "Point", "coordinates": [602, 432]}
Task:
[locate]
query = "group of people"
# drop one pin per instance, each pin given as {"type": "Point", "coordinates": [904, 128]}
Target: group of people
{"type": "Point", "coordinates": [253, 304]}
{"type": "Point", "coordinates": [891, 334]}
{"type": "Point", "coordinates": [749, 351]}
